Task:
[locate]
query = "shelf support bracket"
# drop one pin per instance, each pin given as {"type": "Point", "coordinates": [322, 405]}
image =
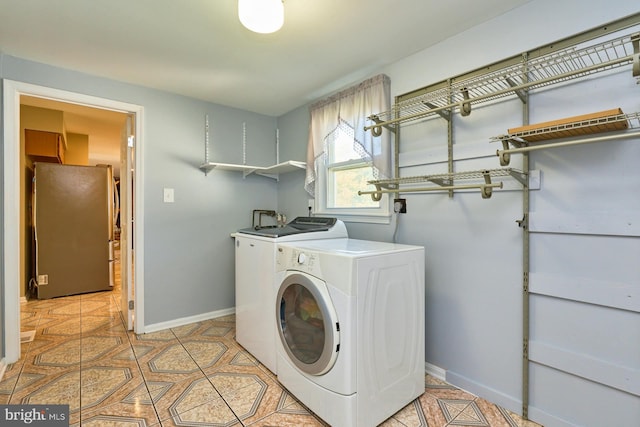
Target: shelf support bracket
{"type": "Point", "coordinates": [521, 177]}
{"type": "Point", "coordinates": [442, 182]}
{"type": "Point", "coordinates": [635, 41]}
{"type": "Point", "coordinates": [465, 106]}
{"type": "Point", "coordinates": [445, 114]}
{"type": "Point", "coordinates": [521, 93]}
{"type": "Point", "coordinates": [524, 222]}
{"type": "Point", "coordinates": [246, 173]}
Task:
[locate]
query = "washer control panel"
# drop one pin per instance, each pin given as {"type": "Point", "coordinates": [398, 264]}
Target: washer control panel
{"type": "Point", "coordinates": [291, 258]}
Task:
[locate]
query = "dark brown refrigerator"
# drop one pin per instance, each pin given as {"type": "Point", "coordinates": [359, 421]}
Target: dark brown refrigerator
{"type": "Point", "coordinates": [73, 229]}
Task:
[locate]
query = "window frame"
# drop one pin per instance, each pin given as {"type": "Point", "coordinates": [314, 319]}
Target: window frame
{"type": "Point", "coordinates": [324, 185]}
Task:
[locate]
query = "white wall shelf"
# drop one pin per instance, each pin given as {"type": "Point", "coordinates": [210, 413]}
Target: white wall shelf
{"type": "Point", "coordinates": [268, 171]}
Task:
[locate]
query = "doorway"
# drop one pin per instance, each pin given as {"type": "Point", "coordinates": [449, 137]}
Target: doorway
{"type": "Point", "coordinates": [13, 222]}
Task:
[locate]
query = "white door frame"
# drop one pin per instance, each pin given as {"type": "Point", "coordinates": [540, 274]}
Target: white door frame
{"type": "Point", "coordinates": [12, 90]}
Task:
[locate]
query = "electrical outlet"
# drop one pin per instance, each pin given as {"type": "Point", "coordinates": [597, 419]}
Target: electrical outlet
{"type": "Point", "coordinates": [168, 195]}
{"type": "Point", "coordinates": [400, 205]}
{"type": "Point", "coordinates": [43, 279]}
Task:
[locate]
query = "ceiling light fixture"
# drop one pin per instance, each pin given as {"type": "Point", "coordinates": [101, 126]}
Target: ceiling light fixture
{"type": "Point", "coordinates": [261, 16]}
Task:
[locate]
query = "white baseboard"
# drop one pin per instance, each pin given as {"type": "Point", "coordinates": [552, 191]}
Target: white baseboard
{"type": "Point", "coordinates": [488, 393]}
{"type": "Point", "coordinates": [187, 320]}
{"type": "Point", "coordinates": [435, 371]}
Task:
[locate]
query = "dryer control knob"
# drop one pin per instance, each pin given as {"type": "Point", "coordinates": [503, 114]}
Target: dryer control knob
{"type": "Point", "coordinates": [301, 258]}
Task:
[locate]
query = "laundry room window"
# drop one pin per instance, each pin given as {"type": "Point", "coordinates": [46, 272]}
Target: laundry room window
{"type": "Point", "coordinates": [347, 172]}
{"type": "Point", "coordinates": [344, 157]}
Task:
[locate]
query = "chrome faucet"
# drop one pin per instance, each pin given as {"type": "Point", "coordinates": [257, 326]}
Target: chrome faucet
{"type": "Point", "coordinates": [261, 213]}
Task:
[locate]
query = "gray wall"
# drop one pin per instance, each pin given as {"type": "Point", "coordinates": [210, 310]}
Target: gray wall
{"type": "Point", "coordinates": [585, 353]}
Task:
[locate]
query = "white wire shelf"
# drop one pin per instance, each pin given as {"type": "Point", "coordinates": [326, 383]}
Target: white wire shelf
{"type": "Point", "coordinates": [480, 179]}
{"type": "Point", "coordinates": [564, 65]}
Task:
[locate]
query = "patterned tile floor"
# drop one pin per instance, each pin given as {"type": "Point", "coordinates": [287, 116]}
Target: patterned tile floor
{"type": "Point", "coordinates": [193, 375]}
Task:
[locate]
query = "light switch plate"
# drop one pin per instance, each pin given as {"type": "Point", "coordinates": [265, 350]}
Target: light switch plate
{"type": "Point", "coordinates": [168, 195]}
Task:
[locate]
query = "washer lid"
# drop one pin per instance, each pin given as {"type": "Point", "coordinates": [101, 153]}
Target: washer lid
{"type": "Point", "coordinates": [297, 226]}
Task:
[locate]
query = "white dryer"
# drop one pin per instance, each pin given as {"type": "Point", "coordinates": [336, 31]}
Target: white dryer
{"type": "Point", "coordinates": [350, 320]}
{"type": "Point", "coordinates": [255, 270]}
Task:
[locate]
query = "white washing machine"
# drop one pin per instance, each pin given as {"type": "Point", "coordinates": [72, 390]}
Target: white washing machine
{"type": "Point", "coordinates": [255, 279]}
{"type": "Point", "coordinates": [350, 321]}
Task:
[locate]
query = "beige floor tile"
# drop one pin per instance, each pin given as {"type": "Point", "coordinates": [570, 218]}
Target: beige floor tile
{"type": "Point", "coordinates": [256, 400]}
{"type": "Point", "coordinates": [494, 416]}
{"type": "Point", "coordinates": [210, 414]}
{"type": "Point", "coordinates": [286, 420]}
{"type": "Point", "coordinates": [183, 396]}
{"type": "Point", "coordinates": [206, 353]}
{"type": "Point", "coordinates": [169, 362]}
{"type": "Point", "coordinates": [121, 414]}
{"type": "Point", "coordinates": [448, 392]}
{"type": "Point", "coordinates": [157, 338]}
{"type": "Point", "coordinates": [428, 409]}
{"type": "Point", "coordinates": [392, 422]}
{"type": "Point", "coordinates": [412, 414]}
{"type": "Point", "coordinates": [207, 329]}
{"type": "Point", "coordinates": [119, 388]}
{"type": "Point", "coordinates": [62, 389]}
{"type": "Point", "coordinates": [236, 360]}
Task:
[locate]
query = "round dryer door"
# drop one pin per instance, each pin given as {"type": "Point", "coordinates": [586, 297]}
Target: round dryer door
{"type": "Point", "coordinates": [307, 323]}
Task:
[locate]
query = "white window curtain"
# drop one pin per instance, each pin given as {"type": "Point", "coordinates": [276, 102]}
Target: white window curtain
{"type": "Point", "coordinates": [347, 111]}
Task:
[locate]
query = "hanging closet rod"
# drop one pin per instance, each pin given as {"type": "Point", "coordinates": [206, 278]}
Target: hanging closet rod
{"type": "Point", "coordinates": [445, 182]}
{"type": "Point", "coordinates": [485, 189]}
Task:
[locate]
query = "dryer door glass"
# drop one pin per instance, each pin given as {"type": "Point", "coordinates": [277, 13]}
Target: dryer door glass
{"type": "Point", "coordinates": [307, 325]}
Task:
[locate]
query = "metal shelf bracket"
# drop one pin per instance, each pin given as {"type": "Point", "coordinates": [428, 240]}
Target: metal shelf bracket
{"type": "Point", "coordinates": [521, 93]}
{"type": "Point", "coordinates": [445, 114]}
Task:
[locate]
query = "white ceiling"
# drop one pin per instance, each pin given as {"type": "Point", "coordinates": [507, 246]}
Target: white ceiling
{"type": "Point", "coordinates": [198, 48]}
